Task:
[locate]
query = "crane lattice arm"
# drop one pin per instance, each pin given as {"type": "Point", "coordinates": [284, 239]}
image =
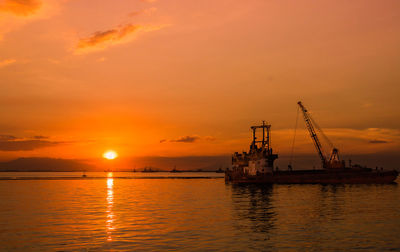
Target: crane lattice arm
{"type": "Point", "coordinates": [313, 134]}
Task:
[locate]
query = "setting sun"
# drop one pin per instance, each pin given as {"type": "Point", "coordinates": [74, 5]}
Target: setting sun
{"type": "Point", "coordinates": [110, 155]}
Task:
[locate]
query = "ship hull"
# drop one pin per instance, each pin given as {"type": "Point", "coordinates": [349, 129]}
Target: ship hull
{"type": "Point", "coordinates": [315, 177]}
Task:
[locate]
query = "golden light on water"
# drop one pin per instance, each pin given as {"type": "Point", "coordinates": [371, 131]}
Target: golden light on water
{"type": "Point", "coordinates": [110, 203]}
{"type": "Point", "coordinates": [110, 155]}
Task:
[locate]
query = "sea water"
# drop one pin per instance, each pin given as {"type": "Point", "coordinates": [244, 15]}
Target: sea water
{"type": "Point", "coordinates": [165, 211]}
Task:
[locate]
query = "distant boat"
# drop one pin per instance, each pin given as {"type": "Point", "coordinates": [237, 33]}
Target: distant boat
{"type": "Point", "coordinates": [175, 170]}
{"type": "Point", "coordinates": [220, 170]}
{"type": "Point", "coordinates": [148, 169]}
{"type": "Point", "coordinates": [84, 174]}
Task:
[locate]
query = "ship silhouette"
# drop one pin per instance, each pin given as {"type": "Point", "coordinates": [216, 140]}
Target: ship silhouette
{"type": "Point", "coordinates": [257, 165]}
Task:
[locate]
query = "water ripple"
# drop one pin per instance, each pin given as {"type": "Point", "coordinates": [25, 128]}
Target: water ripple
{"type": "Point", "coordinates": [196, 215]}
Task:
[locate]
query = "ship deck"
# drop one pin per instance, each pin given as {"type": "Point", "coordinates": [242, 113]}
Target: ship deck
{"type": "Point", "coordinates": [343, 176]}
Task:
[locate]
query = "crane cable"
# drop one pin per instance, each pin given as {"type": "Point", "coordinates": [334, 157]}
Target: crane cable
{"type": "Point", "coordinates": [294, 136]}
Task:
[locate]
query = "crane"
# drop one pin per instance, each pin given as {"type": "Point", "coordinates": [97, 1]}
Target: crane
{"type": "Point", "coordinates": [333, 161]}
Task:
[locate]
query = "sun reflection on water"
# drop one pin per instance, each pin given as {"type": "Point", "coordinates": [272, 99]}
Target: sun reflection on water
{"type": "Point", "coordinates": [110, 202]}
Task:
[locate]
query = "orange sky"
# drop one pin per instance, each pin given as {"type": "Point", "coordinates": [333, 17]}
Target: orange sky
{"type": "Point", "coordinates": [80, 77]}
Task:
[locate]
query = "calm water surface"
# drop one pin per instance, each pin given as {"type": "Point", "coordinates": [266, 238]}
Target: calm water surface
{"type": "Point", "coordinates": [120, 214]}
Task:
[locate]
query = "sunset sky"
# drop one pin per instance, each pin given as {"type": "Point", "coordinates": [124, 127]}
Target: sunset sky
{"type": "Point", "coordinates": [188, 78]}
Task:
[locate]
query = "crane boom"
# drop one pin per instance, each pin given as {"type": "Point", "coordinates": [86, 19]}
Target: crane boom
{"type": "Point", "coordinates": [334, 160]}
{"type": "Point", "coordinates": [313, 134]}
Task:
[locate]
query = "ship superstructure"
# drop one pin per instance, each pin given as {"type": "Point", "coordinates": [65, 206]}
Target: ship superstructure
{"type": "Point", "coordinates": [260, 158]}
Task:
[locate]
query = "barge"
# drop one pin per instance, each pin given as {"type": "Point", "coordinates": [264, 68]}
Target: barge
{"type": "Point", "coordinates": [257, 165]}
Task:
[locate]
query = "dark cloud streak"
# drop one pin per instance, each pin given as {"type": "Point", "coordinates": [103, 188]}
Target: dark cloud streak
{"type": "Point", "coordinates": [186, 139]}
{"type": "Point", "coordinates": [25, 145]}
{"type": "Point", "coordinates": [13, 143]}
{"type": "Point", "coordinates": [7, 138]}
{"type": "Point", "coordinates": [40, 137]}
{"type": "Point", "coordinates": [45, 164]}
{"type": "Point", "coordinates": [378, 141]}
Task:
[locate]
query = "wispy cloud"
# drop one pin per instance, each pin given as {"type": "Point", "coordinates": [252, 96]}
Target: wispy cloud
{"type": "Point", "coordinates": [16, 13]}
{"type": "Point", "coordinates": [20, 7]}
{"type": "Point", "coordinates": [147, 11]}
{"type": "Point", "coordinates": [13, 143]}
{"type": "Point", "coordinates": [7, 62]}
{"type": "Point", "coordinates": [101, 40]}
{"type": "Point", "coordinates": [209, 138]}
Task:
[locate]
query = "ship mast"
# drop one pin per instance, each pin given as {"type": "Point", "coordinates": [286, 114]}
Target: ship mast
{"type": "Point", "coordinates": [266, 141]}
